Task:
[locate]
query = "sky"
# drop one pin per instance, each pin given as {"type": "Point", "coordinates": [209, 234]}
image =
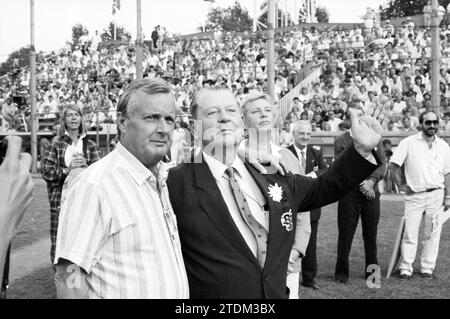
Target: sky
{"type": "Point", "coordinates": [54, 18]}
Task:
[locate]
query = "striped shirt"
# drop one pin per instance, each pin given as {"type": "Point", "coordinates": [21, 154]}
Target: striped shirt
{"type": "Point", "coordinates": [116, 222]}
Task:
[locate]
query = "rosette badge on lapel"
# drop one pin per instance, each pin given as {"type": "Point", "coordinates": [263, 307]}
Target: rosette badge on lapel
{"type": "Point", "coordinates": [286, 220]}
{"type": "Point", "coordinates": [275, 192]}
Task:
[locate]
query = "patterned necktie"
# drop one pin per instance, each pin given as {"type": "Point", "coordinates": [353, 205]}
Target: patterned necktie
{"type": "Point", "coordinates": [303, 160]}
{"type": "Point", "coordinates": [257, 229]}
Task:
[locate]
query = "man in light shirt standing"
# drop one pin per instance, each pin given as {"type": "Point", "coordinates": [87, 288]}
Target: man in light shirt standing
{"type": "Point", "coordinates": [427, 168]}
{"type": "Point", "coordinates": [117, 235]}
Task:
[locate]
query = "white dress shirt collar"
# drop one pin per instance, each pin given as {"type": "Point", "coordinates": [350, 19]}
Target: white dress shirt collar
{"type": "Point", "coordinates": [275, 149]}
{"type": "Point", "coordinates": [420, 137]}
{"type": "Point", "coordinates": [218, 168]}
{"type": "Point", "coordinates": [138, 171]}
{"type": "Point", "coordinates": [299, 151]}
{"type": "Point", "coordinates": [245, 180]}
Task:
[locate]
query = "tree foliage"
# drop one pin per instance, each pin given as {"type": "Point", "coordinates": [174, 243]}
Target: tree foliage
{"type": "Point", "coordinates": [322, 15]}
{"type": "Point", "coordinates": [233, 18]}
{"type": "Point", "coordinates": [405, 8]}
{"type": "Point", "coordinates": [121, 33]}
{"type": "Point", "coordinates": [18, 59]}
{"type": "Point", "coordinates": [78, 30]}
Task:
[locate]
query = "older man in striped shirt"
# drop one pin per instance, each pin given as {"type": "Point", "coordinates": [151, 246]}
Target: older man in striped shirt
{"type": "Point", "coordinates": [117, 235]}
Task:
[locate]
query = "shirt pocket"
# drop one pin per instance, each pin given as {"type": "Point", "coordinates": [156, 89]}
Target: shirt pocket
{"type": "Point", "coordinates": [124, 238]}
{"type": "Point", "coordinates": [122, 222]}
{"type": "Point", "coordinates": [436, 165]}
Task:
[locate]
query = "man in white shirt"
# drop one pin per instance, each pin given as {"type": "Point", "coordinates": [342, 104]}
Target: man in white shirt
{"type": "Point", "coordinates": [96, 39]}
{"type": "Point", "coordinates": [426, 159]}
{"type": "Point", "coordinates": [333, 121]}
{"type": "Point", "coordinates": [399, 105]}
{"type": "Point", "coordinates": [286, 138]}
{"type": "Point", "coordinates": [447, 121]}
{"type": "Point", "coordinates": [427, 10]}
{"type": "Point", "coordinates": [117, 235]}
{"type": "Point", "coordinates": [53, 104]}
{"type": "Point", "coordinates": [410, 24]}
{"type": "Point", "coordinates": [297, 104]}
{"type": "Point", "coordinates": [77, 52]}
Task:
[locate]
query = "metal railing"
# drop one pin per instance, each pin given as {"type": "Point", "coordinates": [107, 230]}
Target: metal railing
{"type": "Point", "coordinates": [284, 103]}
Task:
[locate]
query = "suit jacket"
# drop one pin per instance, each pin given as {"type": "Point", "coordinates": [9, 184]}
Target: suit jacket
{"type": "Point", "coordinates": [342, 142]}
{"type": "Point", "coordinates": [314, 158]}
{"type": "Point", "coordinates": [218, 261]}
{"type": "Point", "coordinates": [303, 227]}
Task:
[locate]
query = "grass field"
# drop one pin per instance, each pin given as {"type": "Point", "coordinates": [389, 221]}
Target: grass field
{"type": "Point", "coordinates": [38, 283]}
{"type": "Point", "coordinates": [36, 223]}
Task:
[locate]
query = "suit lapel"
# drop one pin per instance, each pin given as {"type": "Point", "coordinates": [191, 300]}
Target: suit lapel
{"type": "Point", "coordinates": [292, 149]}
{"type": "Point", "coordinates": [276, 231]}
{"type": "Point", "coordinates": [309, 160]}
{"type": "Point", "coordinates": [213, 204]}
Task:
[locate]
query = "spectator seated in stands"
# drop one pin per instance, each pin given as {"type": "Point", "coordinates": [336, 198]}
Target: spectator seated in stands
{"type": "Point", "coordinates": [333, 121]}
{"type": "Point", "coordinates": [325, 127]}
{"type": "Point", "coordinates": [317, 118]}
{"type": "Point", "coordinates": [407, 125]}
{"type": "Point", "coordinates": [294, 115]}
{"type": "Point", "coordinates": [286, 138]}
{"type": "Point", "coordinates": [344, 126]}
{"type": "Point", "coordinates": [45, 112]}
{"type": "Point", "coordinates": [11, 116]}
{"type": "Point", "coordinates": [46, 118]}
{"type": "Point", "coordinates": [315, 127]}
{"type": "Point", "coordinates": [104, 117]}
{"type": "Point", "coordinates": [389, 74]}
{"type": "Point", "coordinates": [446, 122]}
{"type": "Point", "coordinates": [392, 127]}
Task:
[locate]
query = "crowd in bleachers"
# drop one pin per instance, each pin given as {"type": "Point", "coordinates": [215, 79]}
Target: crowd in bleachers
{"type": "Point", "coordinates": [92, 75]}
{"type": "Point", "coordinates": [389, 76]}
{"type": "Point", "coordinates": [385, 68]}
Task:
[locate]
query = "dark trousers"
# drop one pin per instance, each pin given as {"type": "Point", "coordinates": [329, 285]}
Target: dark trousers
{"type": "Point", "coordinates": [350, 208]}
{"type": "Point", "coordinates": [54, 216]}
{"type": "Point", "coordinates": [309, 262]}
{"type": "Point", "coordinates": [389, 183]}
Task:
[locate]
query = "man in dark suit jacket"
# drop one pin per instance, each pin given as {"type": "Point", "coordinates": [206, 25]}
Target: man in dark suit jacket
{"type": "Point", "coordinates": [219, 255]}
{"type": "Point", "coordinates": [314, 165]}
{"type": "Point", "coordinates": [363, 201]}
